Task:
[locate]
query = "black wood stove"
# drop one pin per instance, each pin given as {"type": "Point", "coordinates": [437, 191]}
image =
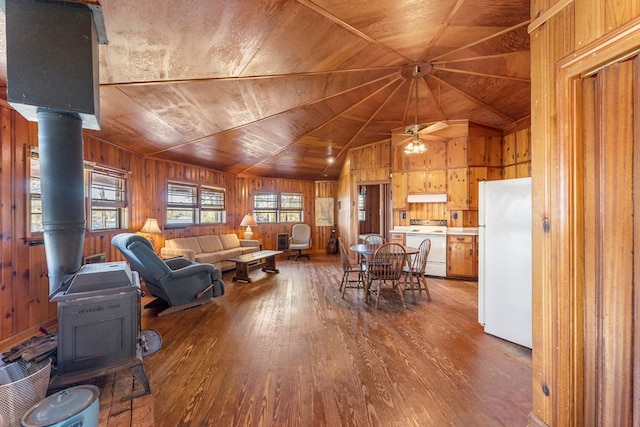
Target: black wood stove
{"type": "Point", "coordinates": [99, 326]}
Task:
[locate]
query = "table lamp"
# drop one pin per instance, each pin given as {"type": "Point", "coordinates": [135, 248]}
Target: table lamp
{"type": "Point", "coordinates": [248, 221]}
{"type": "Point", "coordinates": [150, 227]}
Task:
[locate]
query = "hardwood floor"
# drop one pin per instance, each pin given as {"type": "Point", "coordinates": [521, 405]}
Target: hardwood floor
{"type": "Point", "coordinates": [286, 350]}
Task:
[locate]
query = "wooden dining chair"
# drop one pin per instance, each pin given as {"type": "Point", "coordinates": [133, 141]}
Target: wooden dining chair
{"type": "Point", "coordinates": [374, 239]}
{"type": "Point", "coordinates": [384, 272]}
{"type": "Point", "coordinates": [413, 273]}
{"type": "Point", "coordinates": [349, 270]}
{"type": "Point", "coordinates": [371, 239]}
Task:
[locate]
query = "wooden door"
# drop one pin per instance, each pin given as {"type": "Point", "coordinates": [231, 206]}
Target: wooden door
{"type": "Point", "coordinates": [608, 112]}
{"type": "Point", "coordinates": [592, 338]}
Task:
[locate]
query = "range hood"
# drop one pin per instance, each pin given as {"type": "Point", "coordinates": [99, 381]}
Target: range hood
{"type": "Point", "coordinates": [427, 198]}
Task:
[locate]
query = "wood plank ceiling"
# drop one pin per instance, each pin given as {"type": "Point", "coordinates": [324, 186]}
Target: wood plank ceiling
{"type": "Point", "coordinates": [274, 87]}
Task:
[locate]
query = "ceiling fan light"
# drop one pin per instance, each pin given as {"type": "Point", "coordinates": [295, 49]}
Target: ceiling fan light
{"type": "Point", "coordinates": [415, 147]}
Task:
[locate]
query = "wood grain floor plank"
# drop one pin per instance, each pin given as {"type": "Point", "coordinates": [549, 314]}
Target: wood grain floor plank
{"type": "Point", "coordinates": [287, 350]}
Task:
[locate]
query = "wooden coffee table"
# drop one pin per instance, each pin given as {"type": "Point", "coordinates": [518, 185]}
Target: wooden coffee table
{"type": "Point", "coordinates": [248, 262]}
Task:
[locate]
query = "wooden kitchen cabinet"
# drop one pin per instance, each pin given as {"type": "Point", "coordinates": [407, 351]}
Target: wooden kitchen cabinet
{"type": "Point", "coordinates": [427, 181]}
{"type": "Point", "coordinates": [462, 256]}
{"type": "Point", "coordinates": [458, 188]}
{"type": "Point", "coordinates": [399, 190]}
{"type": "Point", "coordinates": [397, 238]}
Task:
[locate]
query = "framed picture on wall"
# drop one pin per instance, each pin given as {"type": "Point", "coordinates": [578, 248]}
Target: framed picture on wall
{"type": "Point", "coordinates": [324, 212]}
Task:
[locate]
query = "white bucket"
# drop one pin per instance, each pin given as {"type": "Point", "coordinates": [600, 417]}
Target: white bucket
{"type": "Point", "coordinates": [75, 406]}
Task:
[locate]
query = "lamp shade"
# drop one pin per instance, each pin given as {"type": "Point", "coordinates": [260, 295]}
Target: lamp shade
{"type": "Point", "coordinates": [150, 226]}
{"type": "Point", "coordinates": [248, 221]}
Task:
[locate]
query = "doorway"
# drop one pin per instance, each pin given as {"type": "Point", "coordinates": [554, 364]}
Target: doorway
{"type": "Point", "coordinates": [374, 209]}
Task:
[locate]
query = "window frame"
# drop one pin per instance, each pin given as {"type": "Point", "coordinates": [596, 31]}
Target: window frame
{"type": "Point", "coordinates": [197, 207]}
{"type": "Point", "coordinates": [277, 210]}
{"type": "Point", "coordinates": [119, 203]}
{"type": "Point", "coordinates": [220, 209]}
{"type": "Point", "coordinates": [31, 196]}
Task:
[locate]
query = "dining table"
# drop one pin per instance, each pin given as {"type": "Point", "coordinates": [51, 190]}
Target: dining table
{"type": "Point", "coordinates": [368, 250]}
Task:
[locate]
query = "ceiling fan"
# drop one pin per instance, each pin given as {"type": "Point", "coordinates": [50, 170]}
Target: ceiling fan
{"type": "Point", "coordinates": [414, 143]}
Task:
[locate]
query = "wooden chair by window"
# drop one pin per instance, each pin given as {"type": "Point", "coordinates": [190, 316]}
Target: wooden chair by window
{"type": "Point", "coordinates": [348, 270]}
{"type": "Point", "coordinates": [414, 273]}
{"type": "Point", "coordinates": [385, 271]}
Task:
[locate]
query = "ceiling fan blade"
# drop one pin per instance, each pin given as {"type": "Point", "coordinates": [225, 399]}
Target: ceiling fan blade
{"type": "Point", "coordinates": [433, 128]}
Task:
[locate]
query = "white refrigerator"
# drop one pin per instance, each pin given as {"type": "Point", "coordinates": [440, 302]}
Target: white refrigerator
{"type": "Point", "coordinates": [504, 259]}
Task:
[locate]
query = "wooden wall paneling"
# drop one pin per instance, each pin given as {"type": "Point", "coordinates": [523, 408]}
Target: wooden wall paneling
{"type": "Point", "coordinates": [399, 190]}
{"type": "Point", "coordinates": [456, 218]}
{"type": "Point", "coordinates": [38, 282]}
{"type": "Point", "coordinates": [143, 197]}
{"type": "Point", "coordinates": [399, 160]}
{"type": "Point", "coordinates": [523, 145]}
{"type": "Point", "coordinates": [548, 45]}
{"type": "Point", "coordinates": [267, 233]}
{"type": "Point", "coordinates": [469, 218]}
{"type": "Point", "coordinates": [7, 255]}
{"type": "Point", "coordinates": [30, 297]}
{"type": "Point", "coordinates": [344, 204]}
{"type": "Point", "coordinates": [427, 211]}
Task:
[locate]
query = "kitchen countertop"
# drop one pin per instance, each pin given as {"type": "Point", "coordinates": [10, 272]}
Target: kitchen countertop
{"type": "Point", "coordinates": [463, 231]}
{"type": "Point", "coordinates": [460, 231]}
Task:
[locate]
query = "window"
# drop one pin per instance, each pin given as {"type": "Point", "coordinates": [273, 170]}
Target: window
{"type": "Point", "coordinates": [35, 194]}
{"type": "Point", "coordinates": [212, 206]}
{"type": "Point", "coordinates": [272, 208]}
{"type": "Point", "coordinates": [108, 198]}
{"type": "Point", "coordinates": [265, 207]}
{"type": "Point", "coordinates": [194, 204]}
{"type": "Point", "coordinates": [361, 207]}
{"type": "Point", "coordinates": [182, 203]}
{"type": "Point", "coordinates": [290, 208]}
{"type": "Point", "coordinates": [105, 188]}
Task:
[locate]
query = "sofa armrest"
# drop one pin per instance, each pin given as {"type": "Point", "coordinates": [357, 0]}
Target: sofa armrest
{"type": "Point", "coordinates": [171, 253]}
{"type": "Point", "coordinates": [248, 243]}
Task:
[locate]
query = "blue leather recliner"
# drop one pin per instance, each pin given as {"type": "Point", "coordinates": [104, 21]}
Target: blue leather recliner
{"type": "Point", "coordinates": [177, 282]}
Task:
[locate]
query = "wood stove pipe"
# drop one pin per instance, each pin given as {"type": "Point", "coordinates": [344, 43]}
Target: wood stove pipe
{"type": "Point", "coordinates": [62, 182]}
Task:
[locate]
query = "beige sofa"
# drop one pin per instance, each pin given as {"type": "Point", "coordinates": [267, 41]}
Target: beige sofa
{"type": "Point", "coordinates": [214, 249]}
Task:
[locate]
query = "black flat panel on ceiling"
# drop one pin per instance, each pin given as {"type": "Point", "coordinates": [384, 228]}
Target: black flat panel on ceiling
{"type": "Point", "coordinates": [52, 58]}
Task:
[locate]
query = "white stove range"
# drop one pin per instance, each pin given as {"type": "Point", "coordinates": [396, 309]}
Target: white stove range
{"type": "Point", "coordinates": [434, 230]}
